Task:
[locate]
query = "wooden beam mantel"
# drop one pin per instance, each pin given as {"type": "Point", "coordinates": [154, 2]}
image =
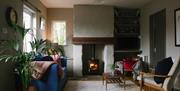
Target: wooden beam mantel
{"type": "Point", "coordinates": [93, 40]}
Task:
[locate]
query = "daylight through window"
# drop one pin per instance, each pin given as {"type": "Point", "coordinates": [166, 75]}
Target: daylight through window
{"type": "Point", "coordinates": [59, 32]}
{"type": "Point", "coordinates": [29, 21]}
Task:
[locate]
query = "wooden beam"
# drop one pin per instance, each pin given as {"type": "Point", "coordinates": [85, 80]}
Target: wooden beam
{"type": "Point", "coordinates": [93, 40]}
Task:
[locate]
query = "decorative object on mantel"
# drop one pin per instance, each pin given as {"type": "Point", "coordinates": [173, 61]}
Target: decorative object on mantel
{"type": "Point", "coordinates": [177, 26]}
{"type": "Point", "coordinates": [11, 16]}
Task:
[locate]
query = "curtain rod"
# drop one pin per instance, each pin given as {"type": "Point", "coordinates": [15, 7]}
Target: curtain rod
{"type": "Point", "coordinates": [29, 3]}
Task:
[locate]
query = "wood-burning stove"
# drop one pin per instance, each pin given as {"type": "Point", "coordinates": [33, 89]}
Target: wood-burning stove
{"type": "Point", "coordinates": [93, 66]}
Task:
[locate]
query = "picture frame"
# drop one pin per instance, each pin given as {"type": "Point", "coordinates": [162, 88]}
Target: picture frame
{"type": "Point", "coordinates": [11, 16]}
{"type": "Point", "coordinates": [177, 26]}
{"type": "Point", "coordinates": [42, 24]}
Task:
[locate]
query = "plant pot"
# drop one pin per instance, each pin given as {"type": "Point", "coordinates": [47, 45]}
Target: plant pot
{"type": "Point", "coordinates": [32, 88]}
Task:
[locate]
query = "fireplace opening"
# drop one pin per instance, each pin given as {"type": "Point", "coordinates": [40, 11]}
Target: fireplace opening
{"type": "Point", "coordinates": [92, 59]}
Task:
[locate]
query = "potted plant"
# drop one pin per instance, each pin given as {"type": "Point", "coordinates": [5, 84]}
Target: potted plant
{"type": "Point", "coordinates": [22, 59]}
{"type": "Point", "coordinates": [112, 67]}
{"type": "Point", "coordinates": [40, 46]}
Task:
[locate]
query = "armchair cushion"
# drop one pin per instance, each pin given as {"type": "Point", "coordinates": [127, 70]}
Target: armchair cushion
{"type": "Point", "coordinates": [128, 63]}
{"type": "Point", "coordinates": [148, 79]}
{"type": "Point", "coordinates": [162, 68]}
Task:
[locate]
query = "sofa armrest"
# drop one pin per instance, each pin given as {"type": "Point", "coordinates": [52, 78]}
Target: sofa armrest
{"type": "Point", "coordinates": [53, 77]}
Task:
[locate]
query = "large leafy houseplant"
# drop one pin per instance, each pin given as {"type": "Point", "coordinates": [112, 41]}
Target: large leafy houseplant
{"type": "Point", "coordinates": [53, 49]}
{"type": "Point", "coordinates": [40, 46]}
{"type": "Point", "coordinates": [22, 59]}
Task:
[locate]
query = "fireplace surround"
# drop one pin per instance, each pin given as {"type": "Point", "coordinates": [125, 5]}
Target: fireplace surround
{"type": "Point", "coordinates": [105, 55]}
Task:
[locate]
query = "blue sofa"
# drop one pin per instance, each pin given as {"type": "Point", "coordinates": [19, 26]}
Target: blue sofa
{"type": "Point", "coordinates": [52, 81]}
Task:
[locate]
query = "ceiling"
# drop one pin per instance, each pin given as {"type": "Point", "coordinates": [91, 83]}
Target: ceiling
{"type": "Point", "coordinates": [70, 3]}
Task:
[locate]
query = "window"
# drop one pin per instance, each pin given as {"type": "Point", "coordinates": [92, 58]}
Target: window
{"type": "Point", "coordinates": [29, 21]}
{"type": "Point", "coordinates": [59, 32]}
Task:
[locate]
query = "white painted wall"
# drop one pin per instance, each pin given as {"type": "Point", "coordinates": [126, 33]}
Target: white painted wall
{"type": "Point", "coordinates": [77, 60]}
{"type": "Point", "coordinates": [153, 7]}
{"type": "Point", "coordinates": [93, 21]}
{"type": "Point", "coordinates": [108, 57]}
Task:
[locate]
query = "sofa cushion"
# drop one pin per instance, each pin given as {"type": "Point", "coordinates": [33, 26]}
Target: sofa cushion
{"type": "Point", "coordinates": [38, 57]}
{"type": "Point", "coordinates": [148, 79]}
{"type": "Point", "coordinates": [63, 61]}
{"type": "Point", "coordinates": [43, 58]}
{"type": "Point", "coordinates": [47, 58]}
{"type": "Point", "coordinates": [162, 68]}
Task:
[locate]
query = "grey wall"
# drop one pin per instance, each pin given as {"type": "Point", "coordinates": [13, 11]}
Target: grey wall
{"type": "Point", "coordinates": [7, 82]}
{"type": "Point", "coordinates": [93, 21]}
{"type": "Point", "coordinates": [153, 7]}
{"type": "Point", "coordinates": [7, 31]}
{"type": "Point", "coordinates": [7, 78]}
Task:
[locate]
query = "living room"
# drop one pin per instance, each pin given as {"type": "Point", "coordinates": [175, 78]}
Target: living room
{"type": "Point", "coordinates": [90, 27]}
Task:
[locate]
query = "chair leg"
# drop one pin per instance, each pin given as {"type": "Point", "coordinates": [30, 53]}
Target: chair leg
{"type": "Point", "coordinates": [106, 85]}
{"type": "Point", "coordinates": [141, 84]}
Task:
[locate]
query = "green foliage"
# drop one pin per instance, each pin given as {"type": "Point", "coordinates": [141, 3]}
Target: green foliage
{"type": "Point", "coordinates": [22, 59]}
{"type": "Point", "coordinates": [112, 67]}
{"type": "Point", "coordinates": [37, 44]}
{"type": "Point", "coordinates": [51, 49]}
{"type": "Point", "coordinates": [20, 30]}
{"type": "Point", "coordinates": [46, 47]}
{"type": "Point", "coordinates": [23, 66]}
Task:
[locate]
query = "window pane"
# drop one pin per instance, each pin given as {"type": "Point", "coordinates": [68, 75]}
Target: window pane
{"type": "Point", "coordinates": [27, 20]}
{"type": "Point", "coordinates": [59, 32]}
{"type": "Point", "coordinates": [29, 23]}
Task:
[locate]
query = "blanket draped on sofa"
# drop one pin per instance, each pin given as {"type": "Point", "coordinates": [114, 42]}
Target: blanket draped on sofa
{"type": "Point", "coordinates": [40, 67]}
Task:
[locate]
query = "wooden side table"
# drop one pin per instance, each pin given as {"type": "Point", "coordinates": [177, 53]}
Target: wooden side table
{"type": "Point", "coordinates": [108, 78]}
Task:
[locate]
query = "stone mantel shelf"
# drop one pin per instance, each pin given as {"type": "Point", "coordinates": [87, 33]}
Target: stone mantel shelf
{"type": "Point", "coordinates": [93, 40]}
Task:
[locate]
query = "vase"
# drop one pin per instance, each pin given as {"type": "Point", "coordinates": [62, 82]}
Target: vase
{"type": "Point", "coordinates": [112, 73]}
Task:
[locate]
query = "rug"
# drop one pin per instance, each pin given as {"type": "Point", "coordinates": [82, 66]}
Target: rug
{"type": "Point", "coordinates": [75, 85]}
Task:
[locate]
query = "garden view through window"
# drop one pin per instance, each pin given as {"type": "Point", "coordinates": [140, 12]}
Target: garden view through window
{"type": "Point", "coordinates": [59, 32]}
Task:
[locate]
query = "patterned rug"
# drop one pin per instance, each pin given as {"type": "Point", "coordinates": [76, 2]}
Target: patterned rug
{"type": "Point", "coordinates": [79, 85]}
